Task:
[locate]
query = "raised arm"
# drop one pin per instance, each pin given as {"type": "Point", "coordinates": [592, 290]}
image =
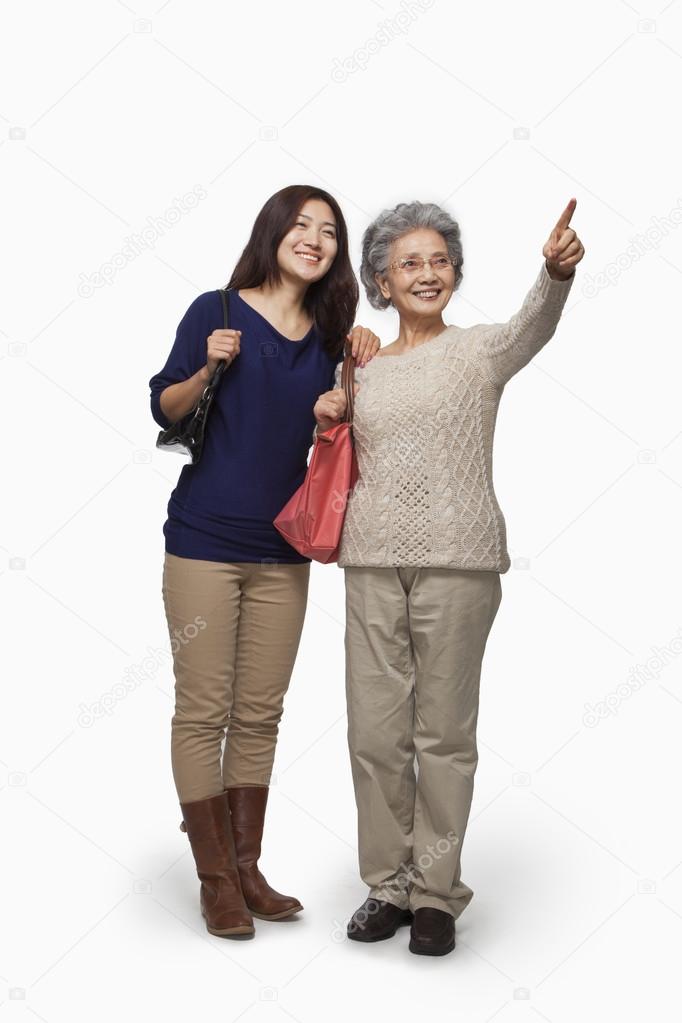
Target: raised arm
{"type": "Point", "coordinates": [505, 348]}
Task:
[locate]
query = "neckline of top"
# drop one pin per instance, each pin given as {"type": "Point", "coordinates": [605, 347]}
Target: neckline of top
{"type": "Point", "coordinates": [422, 349]}
{"type": "Point", "coordinates": [291, 340]}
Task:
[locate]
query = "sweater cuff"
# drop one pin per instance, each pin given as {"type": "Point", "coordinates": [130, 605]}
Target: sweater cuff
{"type": "Point", "coordinates": [551, 290]}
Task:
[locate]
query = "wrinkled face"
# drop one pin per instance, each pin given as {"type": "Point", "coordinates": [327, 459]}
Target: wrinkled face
{"type": "Point", "coordinates": [307, 251]}
{"type": "Point", "coordinates": [419, 288]}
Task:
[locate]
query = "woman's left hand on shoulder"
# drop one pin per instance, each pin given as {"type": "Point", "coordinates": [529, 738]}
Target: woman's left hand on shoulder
{"type": "Point", "coordinates": [365, 344]}
{"type": "Point", "coordinates": [563, 249]}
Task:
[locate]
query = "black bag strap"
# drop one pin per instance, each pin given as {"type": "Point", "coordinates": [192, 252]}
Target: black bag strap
{"type": "Point", "coordinates": [200, 410]}
{"type": "Point", "coordinates": [220, 368]}
{"type": "Point", "coordinates": [225, 296]}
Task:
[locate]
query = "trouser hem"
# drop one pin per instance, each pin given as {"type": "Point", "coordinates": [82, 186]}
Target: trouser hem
{"type": "Point", "coordinates": [391, 897]}
{"type": "Point", "coordinates": [434, 902]}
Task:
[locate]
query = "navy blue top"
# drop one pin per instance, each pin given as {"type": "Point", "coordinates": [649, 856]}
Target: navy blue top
{"type": "Point", "coordinates": [258, 434]}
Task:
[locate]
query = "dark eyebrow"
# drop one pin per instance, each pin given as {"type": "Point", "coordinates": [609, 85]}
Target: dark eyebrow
{"type": "Point", "coordinates": [327, 222]}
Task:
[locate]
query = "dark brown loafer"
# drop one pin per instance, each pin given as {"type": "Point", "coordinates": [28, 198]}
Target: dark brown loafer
{"type": "Point", "coordinates": [432, 932]}
{"type": "Point", "coordinates": [376, 920]}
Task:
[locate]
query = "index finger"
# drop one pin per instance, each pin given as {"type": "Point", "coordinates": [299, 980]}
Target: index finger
{"type": "Point", "coordinates": [565, 218]}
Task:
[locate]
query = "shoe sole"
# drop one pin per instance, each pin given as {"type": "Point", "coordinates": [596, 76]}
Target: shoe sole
{"type": "Point", "coordinates": [423, 950]}
{"type": "Point", "coordinates": [243, 931]}
{"type": "Point", "coordinates": [232, 932]}
{"type": "Point", "coordinates": [383, 937]}
{"type": "Point", "coordinates": [276, 916]}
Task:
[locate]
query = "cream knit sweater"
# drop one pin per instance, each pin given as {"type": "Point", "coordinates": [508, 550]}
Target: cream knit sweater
{"type": "Point", "coordinates": [424, 426]}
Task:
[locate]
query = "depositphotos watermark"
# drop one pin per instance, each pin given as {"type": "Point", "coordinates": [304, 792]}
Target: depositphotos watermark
{"type": "Point", "coordinates": [637, 677]}
{"type": "Point", "coordinates": [641, 245]}
{"type": "Point", "coordinates": [400, 884]}
{"type": "Point", "coordinates": [136, 674]}
{"type": "Point", "coordinates": [144, 240]}
{"type": "Point", "coordinates": [388, 30]}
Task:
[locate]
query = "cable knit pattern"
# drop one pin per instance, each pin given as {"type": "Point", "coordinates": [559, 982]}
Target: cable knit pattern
{"type": "Point", "coordinates": [424, 428]}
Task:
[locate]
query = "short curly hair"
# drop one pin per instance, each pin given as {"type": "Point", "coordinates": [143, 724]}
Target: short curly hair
{"type": "Point", "coordinates": [393, 224]}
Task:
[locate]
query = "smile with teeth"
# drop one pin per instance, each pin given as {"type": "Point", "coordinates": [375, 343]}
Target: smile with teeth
{"type": "Point", "coordinates": [430, 293]}
{"type": "Point", "coordinates": [310, 257]}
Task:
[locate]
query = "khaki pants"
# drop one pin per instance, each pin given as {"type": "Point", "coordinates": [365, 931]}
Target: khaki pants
{"type": "Point", "coordinates": [235, 630]}
{"type": "Point", "coordinates": [415, 639]}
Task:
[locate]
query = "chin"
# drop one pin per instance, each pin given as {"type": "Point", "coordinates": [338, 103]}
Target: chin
{"type": "Point", "coordinates": [309, 277]}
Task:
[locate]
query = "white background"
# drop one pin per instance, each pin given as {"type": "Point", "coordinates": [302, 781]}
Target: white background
{"type": "Point", "coordinates": [500, 112]}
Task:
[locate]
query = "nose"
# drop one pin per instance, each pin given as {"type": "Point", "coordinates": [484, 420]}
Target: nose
{"type": "Point", "coordinates": [427, 273]}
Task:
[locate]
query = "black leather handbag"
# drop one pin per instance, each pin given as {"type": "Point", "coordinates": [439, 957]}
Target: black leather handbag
{"type": "Point", "coordinates": [186, 437]}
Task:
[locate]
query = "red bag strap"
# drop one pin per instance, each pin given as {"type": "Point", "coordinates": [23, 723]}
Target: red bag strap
{"type": "Point", "coordinates": [347, 383]}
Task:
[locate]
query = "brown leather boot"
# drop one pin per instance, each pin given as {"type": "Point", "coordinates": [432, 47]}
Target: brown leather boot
{"type": "Point", "coordinates": [207, 823]}
{"type": "Point", "coordinates": [247, 807]}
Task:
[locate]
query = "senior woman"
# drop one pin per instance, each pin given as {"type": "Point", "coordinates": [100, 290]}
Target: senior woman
{"type": "Point", "coordinates": [423, 548]}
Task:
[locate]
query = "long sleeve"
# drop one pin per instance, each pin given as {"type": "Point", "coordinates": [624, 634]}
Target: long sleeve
{"type": "Point", "coordinates": [188, 353]}
{"type": "Point", "coordinates": [505, 348]}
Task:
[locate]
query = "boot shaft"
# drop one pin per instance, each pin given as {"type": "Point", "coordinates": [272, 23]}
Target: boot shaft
{"type": "Point", "coordinates": [247, 811]}
{"type": "Point", "coordinates": [209, 830]}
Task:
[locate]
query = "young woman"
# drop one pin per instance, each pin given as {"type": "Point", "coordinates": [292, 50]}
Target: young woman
{"type": "Point", "coordinates": [234, 591]}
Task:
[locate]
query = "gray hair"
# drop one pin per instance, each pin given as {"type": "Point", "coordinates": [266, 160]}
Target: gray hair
{"type": "Point", "coordinates": [393, 224]}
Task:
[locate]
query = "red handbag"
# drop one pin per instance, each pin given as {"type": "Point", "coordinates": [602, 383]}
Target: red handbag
{"type": "Point", "coordinates": [312, 520]}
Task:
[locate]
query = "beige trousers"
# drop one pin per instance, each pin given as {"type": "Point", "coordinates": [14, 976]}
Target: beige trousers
{"type": "Point", "coordinates": [235, 630]}
{"type": "Point", "coordinates": [415, 639]}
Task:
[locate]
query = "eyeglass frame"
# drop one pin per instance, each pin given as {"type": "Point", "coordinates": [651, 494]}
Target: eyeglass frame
{"type": "Point", "coordinates": [396, 265]}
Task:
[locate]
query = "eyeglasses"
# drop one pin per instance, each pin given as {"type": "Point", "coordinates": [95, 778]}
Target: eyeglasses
{"type": "Point", "coordinates": [414, 265]}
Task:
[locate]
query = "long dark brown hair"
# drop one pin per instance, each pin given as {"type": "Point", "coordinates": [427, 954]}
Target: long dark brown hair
{"type": "Point", "coordinates": [332, 301]}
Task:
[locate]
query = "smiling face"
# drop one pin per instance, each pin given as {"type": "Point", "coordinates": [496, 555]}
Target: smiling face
{"type": "Point", "coordinates": [307, 251]}
{"type": "Point", "coordinates": [424, 291]}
